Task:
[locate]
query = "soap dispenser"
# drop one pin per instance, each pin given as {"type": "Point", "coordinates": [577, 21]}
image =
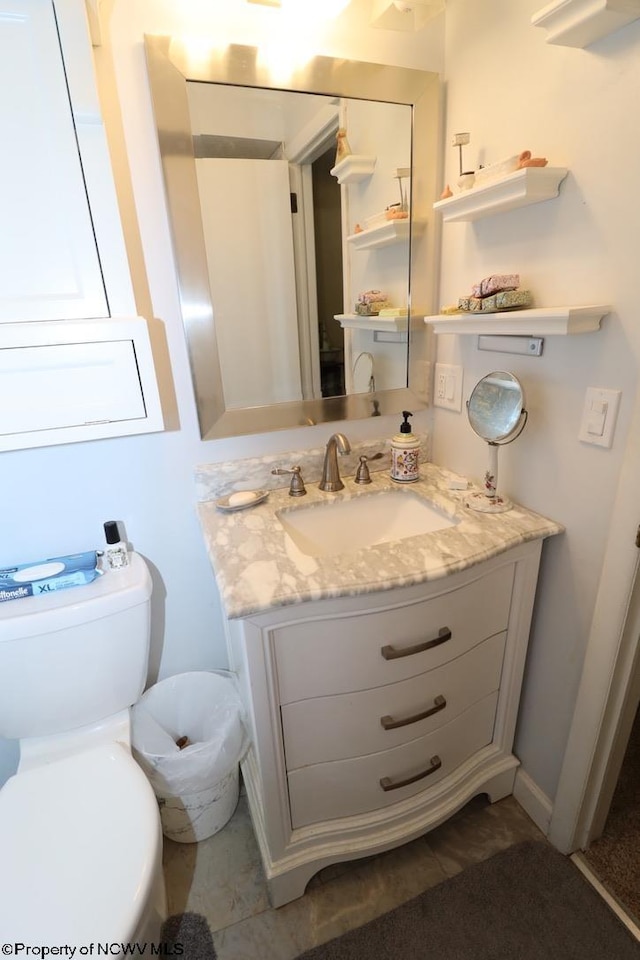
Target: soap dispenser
{"type": "Point", "coordinates": [405, 451]}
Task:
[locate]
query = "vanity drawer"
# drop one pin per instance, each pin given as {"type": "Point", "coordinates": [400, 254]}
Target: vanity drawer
{"type": "Point", "coordinates": [351, 724]}
{"type": "Point", "coordinates": [343, 788]}
{"type": "Point", "coordinates": [338, 655]}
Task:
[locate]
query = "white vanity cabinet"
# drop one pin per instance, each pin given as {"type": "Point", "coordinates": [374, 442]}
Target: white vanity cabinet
{"type": "Point", "coordinates": [374, 718]}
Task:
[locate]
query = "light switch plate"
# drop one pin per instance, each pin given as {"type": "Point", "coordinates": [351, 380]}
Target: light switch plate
{"type": "Point", "coordinates": [447, 386]}
{"type": "Point", "coordinates": [599, 416]}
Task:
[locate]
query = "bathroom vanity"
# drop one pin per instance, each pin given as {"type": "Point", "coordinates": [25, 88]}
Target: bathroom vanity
{"type": "Point", "coordinates": [381, 685]}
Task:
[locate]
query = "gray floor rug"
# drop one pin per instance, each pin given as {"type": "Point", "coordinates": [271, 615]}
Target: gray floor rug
{"type": "Point", "coordinates": [615, 856]}
{"type": "Point", "coordinates": [527, 903]}
{"type": "Point", "coordinates": [187, 935]}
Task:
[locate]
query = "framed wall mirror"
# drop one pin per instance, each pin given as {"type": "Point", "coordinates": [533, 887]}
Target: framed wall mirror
{"type": "Point", "coordinates": [268, 232]}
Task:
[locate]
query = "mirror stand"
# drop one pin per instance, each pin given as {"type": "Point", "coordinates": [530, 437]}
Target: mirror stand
{"type": "Point", "coordinates": [496, 413]}
{"type": "Point", "coordinates": [490, 501]}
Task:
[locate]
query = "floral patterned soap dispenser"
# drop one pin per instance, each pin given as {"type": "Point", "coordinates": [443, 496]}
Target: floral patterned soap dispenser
{"type": "Point", "coordinates": [405, 453]}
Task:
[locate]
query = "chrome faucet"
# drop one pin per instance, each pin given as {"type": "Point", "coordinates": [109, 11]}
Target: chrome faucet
{"type": "Point", "coordinates": [330, 472]}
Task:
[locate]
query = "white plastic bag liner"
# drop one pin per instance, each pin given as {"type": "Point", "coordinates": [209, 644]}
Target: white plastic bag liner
{"type": "Point", "coordinates": [196, 816]}
{"type": "Point", "coordinates": [206, 708]}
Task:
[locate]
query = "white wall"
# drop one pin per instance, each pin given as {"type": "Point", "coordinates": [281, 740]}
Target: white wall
{"type": "Point", "coordinates": [55, 499]}
{"type": "Point", "coordinates": [381, 268]}
{"type": "Point", "coordinates": [513, 91]}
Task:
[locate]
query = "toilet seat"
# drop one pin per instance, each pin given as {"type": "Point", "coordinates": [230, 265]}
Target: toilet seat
{"type": "Point", "coordinates": [81, 843]}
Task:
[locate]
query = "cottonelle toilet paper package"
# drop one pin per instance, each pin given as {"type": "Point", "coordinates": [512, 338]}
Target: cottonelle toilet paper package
{"type": "Point", "coordinates": [45, 576]}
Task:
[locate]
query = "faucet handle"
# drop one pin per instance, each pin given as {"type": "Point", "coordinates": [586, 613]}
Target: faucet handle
{"type": "Point", "coordinates": [362, 473]}
{"type": "Point", "coordinates": [296, 487]}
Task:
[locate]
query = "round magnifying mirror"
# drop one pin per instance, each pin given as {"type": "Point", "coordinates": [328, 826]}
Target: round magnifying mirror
{"type": "Point", "coordinates": [496, 406]}
{"type": "Point", "coordinates": [497, 414]}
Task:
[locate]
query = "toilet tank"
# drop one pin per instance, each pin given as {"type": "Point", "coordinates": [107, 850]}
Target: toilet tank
{"type": "Point", "coordinates": [75, 656]}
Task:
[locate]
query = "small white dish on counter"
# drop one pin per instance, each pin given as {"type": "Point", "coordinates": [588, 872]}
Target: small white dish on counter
{"type": "Point", "coordinates": [241, 500]}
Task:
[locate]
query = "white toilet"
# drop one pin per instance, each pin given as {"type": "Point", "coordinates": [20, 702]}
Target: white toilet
{"type": "Point", "coordinates": [80, 836]}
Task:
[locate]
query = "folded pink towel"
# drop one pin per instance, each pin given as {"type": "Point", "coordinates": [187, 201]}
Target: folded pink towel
{"type": "Point", "coordinates": [496, 284]}
{"type": "Point", "coordinates": [372, 296]}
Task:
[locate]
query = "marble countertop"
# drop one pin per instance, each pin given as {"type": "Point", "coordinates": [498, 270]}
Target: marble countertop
{"type": "Point", "coordinates": [258, 566]}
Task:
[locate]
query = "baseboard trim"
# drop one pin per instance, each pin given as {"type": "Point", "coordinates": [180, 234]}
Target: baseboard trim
{"type": "Point", "coordinates": [615, 905]}
{"type": "Point", "coordinates": [533, 800]}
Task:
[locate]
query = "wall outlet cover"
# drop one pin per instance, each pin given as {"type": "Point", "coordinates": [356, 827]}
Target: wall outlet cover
{"type": "Point", "coordinates": [447, 386]}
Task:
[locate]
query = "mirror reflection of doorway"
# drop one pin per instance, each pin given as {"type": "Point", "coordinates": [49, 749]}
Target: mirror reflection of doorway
{"type": "Point", "coordinates": [328, 257]}
{"type": "Point", "coordinates": [245, 210]}
{"type": "Point", "coordinates": [287, 273]}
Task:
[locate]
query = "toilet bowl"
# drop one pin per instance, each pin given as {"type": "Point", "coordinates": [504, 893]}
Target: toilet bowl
{"type": "Point", "coordinates": [81, 849]}
{"type": "Point", "coordinates": [80, 830]}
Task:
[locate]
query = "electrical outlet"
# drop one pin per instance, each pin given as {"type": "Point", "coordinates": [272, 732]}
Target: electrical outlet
{"type": "Point", "coordinates": [447, 386]}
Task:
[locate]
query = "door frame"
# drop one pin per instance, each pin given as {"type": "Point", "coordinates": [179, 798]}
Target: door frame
{"type": "Point", "coordinates": [609, 688]}
{"type": "Point", "coordinates": [310, 144]}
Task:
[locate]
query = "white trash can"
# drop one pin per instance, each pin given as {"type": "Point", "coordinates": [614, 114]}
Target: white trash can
{"type": "Point", "coordinates": [188, 736]}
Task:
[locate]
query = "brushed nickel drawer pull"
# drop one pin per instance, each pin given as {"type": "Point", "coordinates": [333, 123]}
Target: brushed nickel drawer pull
{"type": "Point", "coordinates": [387, 783]}
{"type": "Point", "coordinates": [392, 653]}
{"type": "Point", "coordinates": [389, 723]}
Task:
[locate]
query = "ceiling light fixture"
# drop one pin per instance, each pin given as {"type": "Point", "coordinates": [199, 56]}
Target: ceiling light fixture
{"type": "Point", "coordinates": [291, 41]}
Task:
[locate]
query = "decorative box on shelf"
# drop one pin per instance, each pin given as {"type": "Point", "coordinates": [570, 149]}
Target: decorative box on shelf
{"type": "Point", "coordinates": [529, 185]}
{"type": "Point", "coordinates": [539, 321]}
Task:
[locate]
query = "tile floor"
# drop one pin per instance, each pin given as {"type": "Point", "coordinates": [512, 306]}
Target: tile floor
{"type": "Point", "coordinates": [221, 878]}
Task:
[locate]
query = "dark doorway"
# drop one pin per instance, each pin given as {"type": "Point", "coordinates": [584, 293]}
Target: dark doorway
{"type": "Point", "coordinates": [615, 856]}
{"type": "Point", "coordinates": [327, 219]}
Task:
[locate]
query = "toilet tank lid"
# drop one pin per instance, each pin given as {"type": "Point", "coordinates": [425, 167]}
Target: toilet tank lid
{"type": "Point", "coordinates": [114, 591]}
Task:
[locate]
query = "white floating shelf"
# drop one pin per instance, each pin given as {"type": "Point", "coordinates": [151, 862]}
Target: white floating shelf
{"type": "Point", "coordinates": [577, 23]}
{"type": "Point", "coordinates": [353, 321]}
{"type": "Point", "coordinates": [353, 168]}
{"type": "Point", "coordinates": [541, 321]}
{"type": "Point", "coordinates": [391, 231]}
{"type": "Point", "coordinates": [530, 185]}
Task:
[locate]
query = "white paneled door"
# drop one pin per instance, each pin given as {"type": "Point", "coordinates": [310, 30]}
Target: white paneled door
{"type": "Point", "coordinates": [246, 216]}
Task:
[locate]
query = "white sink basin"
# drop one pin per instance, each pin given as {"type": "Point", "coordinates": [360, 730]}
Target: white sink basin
{"type": "Point", "coordinates": [340, 526]}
